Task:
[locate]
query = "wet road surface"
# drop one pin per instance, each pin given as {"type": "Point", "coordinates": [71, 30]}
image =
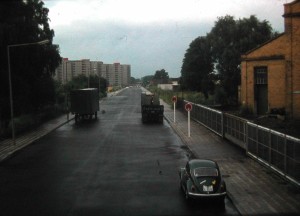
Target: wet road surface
{"type": "Point", "coordinates": [111, 166]}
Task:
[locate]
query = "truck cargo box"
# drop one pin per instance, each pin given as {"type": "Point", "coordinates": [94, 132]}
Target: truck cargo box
{"type": "Point", "coordinates": [84, 102]}
{"type": "Point", "coordinates": [151, 109]}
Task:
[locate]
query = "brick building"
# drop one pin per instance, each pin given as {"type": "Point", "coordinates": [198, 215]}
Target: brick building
{"type": "Point", "coordinates": [270, 76]}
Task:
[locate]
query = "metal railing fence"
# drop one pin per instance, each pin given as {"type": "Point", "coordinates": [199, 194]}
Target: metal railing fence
{"type": "Point", "coordinates": [278, 151]}
{"type": "Point", "coordinates": [210, 118]}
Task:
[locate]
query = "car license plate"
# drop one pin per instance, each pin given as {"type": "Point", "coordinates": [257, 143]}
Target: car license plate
{"type": "Point", "coordinates": [207, 188]}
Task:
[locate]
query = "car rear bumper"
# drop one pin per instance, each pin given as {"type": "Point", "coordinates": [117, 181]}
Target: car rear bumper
{"type": "Point", "coordinates": [195, 195]}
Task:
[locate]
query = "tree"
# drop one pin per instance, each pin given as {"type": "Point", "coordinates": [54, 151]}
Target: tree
{"type": "Point", "coordinates": [161, 77]}
{"type": "Point", "coordinates": [229, 39]}
{"type": "Point", "coordinates": [197, 67]}
{"type": "Point", "coordinates": [146, 80]}
{"type": "Point", "coordinates": [82, 81]}
{"type": "Point", "coordinates": [32, 66]}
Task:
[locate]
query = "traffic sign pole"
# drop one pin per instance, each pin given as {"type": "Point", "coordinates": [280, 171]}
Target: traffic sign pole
{"type": "Point", "coordinates": [189, 123]}
{"type": "Point", "coordinates": [188, 108]}
{"type": "Point", "coordinates": [174, 112]}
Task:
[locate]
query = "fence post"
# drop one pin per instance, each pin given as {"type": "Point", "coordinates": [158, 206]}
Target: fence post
{"type": "Point", "coordinates": [270, 147]}
{"type": "Point", "coordinates": [222, 124]}
{"type": "Point", "coordinates": [285, 156]}
{"type": "Point", "coordinates": [246, 137]}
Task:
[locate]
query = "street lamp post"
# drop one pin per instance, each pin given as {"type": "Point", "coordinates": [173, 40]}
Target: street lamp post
{"type": "Point", "coordinates": [10, 83]}
{"type": "Point", "coordinates": [99, 73]}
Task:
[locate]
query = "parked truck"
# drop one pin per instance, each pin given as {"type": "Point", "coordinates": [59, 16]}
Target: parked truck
{"type": "Point", "coordinates": [84, 103]}
{"type": "Point", "coordinates": [151, 108]}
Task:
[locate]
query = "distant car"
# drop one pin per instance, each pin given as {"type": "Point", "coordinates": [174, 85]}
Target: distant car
{"type": "Point", "coordinates": [202, 179]}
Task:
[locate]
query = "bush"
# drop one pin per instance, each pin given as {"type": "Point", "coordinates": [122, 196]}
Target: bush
{"type": "Point", "coordinates": [28, 122]}
{"type": "Point", "coordinates": [102, 95]}
{"type": "Point", "coordinates": [22, 123]}
{"type": "Point", "coordinates": [220, 96]}
{"type": "Point", "coordinates": [245, 111]}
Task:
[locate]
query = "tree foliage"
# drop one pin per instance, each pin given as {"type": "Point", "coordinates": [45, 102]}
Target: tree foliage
{"type": "Point", "coordinates": [231, 38]}
{"type": "Point", "coordinates": [161, 77]}
{"type": "Point", "coordinates": [197, 67]}
{"type": "Point", "coordinates": [82, 81]}
{"type": "Point", "coordinates": [32, 66]}
{"type": "Point", "coordinates": [134, 81]}
{"type": "Point", "coordinates": [218, 54]}
{"type": "Point", "coordinates": [146, 80]}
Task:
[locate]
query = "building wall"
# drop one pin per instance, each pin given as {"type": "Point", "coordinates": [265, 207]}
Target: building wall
{"type": "Point", "coordinates": [276, 83]}
{"type": "Point", "coordinates": [292, 25]}
{"type": "Point", "coordinates": [126, 74]}
{"type": "Point", "coordinates": [116, 74]}
{"type": "Point", "coordinates": [96, 68]}
{"type": "Point", "coordinates": [281, 56]}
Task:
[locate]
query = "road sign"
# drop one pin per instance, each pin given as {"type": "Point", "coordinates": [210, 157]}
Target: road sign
{"type": "Point", "coordinates": [174, 99]}
{"type": "Point", "coordinates": [188, 107]}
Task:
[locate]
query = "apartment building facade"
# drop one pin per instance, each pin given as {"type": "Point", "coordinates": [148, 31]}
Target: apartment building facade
{"type": "Point", "coordinates": [270, 78]}
{"type": "Point", "coordinates": [116, 74]}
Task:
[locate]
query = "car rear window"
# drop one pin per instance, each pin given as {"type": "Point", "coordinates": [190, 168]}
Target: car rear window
{"type": "Point", "coordinates": [205, 171]}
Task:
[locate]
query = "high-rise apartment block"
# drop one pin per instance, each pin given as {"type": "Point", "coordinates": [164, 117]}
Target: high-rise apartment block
{"type": "Point", "coordinates": [116, 74]}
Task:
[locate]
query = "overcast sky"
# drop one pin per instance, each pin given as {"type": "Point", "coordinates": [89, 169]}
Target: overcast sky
{"type": "Point", "coordinates": [147, 34]}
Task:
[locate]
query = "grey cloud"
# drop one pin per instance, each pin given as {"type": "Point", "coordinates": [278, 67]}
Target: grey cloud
{"type": "Point", "coordinates": [146, 48]}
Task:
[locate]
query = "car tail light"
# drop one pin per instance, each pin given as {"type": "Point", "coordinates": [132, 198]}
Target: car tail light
{"type": "Point", "coordinates": [223, 187]}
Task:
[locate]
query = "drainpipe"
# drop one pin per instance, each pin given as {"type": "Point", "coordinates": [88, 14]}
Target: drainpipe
{"type": "Point", "coordinates": [291, 66]}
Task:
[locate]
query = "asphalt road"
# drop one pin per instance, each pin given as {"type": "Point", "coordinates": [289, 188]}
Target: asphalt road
{"type": "Point", "coordinates": [111, 166]}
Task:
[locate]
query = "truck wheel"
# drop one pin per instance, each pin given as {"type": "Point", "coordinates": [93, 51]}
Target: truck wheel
{"type": "Point", "coordinates": [76, 118]}
{"type": "Point", "coordinates": [161, 120]}
{"type": "Point", "coordinates": [96, 115]}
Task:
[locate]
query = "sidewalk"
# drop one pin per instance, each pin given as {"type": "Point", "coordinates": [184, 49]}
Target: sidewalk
{"type": "Point", "coordinates": [8, 148]}
{"type": "Point", "coordinates": [253, 189]}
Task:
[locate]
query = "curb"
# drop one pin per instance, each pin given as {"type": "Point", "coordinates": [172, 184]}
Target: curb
{"type": "Point", "coordinates": [181, 136]}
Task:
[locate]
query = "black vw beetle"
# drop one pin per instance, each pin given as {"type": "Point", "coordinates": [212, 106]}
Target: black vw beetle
{"type": "Point", "coordinates": [202, 179]}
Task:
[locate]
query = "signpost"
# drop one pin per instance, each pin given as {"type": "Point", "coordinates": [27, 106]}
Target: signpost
{"type": "Point", "coordinates": [188, 107]}
{"type": "Point", "coordinates": [174, 99]}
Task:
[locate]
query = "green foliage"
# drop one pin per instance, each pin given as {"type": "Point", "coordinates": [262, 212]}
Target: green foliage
{"type": "Point", "coordinates": [161, 77]}
{"type": "Point", "coordinates": [29, 121]}
{"type": "Point", "coordinates": [197, 67]}
{"type": "Point", "coordinates": [245, 111]}
{"type": "Point", "coordinates": [220, 96]}
{"type": "Point", "coordinates": [134, 80]}
{"type": "Point", "coordinates": [231, 38]}
{"type": "Point", "coordinates": [146, 80]}
{"type": "Point", "coordinates": [216, 58]}
{"type": "Point", "coordinates": [23, 122]}
{"type": "Point", "coordinates": [59, 93]}
{"type": "Point", "coordinates": [194, 97]}
{"type": "Point", "coordinates": [32, 66]}
{"type": "Point", "coordinates": [82, 81]}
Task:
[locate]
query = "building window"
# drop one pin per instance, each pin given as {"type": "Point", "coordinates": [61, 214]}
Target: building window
{"type": "Point", "coordinates": [261, 75]}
